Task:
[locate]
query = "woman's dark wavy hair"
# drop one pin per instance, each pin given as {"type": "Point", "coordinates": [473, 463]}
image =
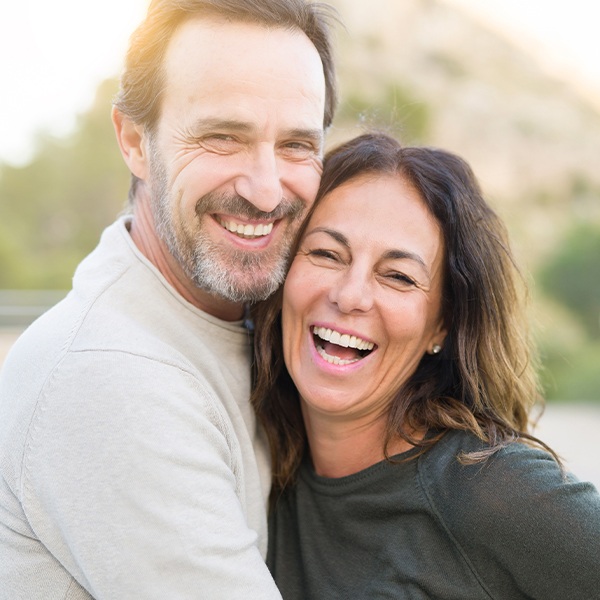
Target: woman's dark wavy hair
{"type": "Point", "coordinates": [484, 380]}
{"type": "Point", "coordinates": [143, 79]}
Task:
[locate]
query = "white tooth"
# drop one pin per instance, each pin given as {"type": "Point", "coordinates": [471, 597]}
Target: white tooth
{"type": "Point", "coordinates": [335, 360]}
{"type": "Point", "coordinates": [231, 226]}
{"type": "Point", "coordinates": [345, 340]}
{"type": "Point", "coordinates": [258, 230]}
{"type": "Point", "coordinates": [249, 230]}
{"type": "Point", "coordinates": [240, 228]}
{"type": "Point", "coordinates": [267, 229]}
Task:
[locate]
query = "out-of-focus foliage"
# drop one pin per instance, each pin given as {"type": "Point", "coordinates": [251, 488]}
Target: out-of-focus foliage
{"type": "Point", "coordinates": [53, 209]}
{"type": "Point", "coordinates": [572, 276]}
{"type": "Point", "coordinates": [396, 110]}
{"type": "Point", "coordinates": [572, 375]}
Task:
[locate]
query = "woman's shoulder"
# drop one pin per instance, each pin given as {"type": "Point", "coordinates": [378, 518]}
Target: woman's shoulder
{"type": "Point", "coordinates": [517, 511]}
{"type": "Point", "coordinates": [515, 476]}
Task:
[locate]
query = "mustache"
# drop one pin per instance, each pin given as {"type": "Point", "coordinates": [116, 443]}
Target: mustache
{"type": "Point", "coordinates": [238, 206]}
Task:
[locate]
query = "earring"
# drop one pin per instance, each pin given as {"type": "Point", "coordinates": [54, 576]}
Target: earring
{"type": "Point", "coordinates": [436, 349]}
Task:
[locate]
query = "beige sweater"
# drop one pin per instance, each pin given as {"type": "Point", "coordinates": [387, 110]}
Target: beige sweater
{"type": "Point", "coordinates": [130, 465]}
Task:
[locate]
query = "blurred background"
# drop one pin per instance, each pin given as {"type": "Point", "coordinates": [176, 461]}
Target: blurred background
{"type": "Point", "coordinates": [513, 87]}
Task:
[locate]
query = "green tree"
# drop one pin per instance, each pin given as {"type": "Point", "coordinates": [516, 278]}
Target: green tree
{"type": "Point", "coordinates": [572, 276]}
{"type": "Point", "coordinates": [53, 209]}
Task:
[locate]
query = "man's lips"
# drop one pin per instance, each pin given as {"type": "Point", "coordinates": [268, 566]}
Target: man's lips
{"type": "Point", "coordinates": [245, 230]}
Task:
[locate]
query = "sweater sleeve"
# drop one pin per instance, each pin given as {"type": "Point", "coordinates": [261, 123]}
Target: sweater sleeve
{"type": "Point", "coordinates": [526, 530]}
{"type": "Point", "coordinates": [134, 483]}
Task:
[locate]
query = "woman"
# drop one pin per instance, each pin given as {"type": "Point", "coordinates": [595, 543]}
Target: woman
{"type": "Point", "coordinates": [402, 462]}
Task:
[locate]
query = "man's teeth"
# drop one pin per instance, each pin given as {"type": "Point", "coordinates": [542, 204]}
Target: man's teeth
{"type": "Point", "coordinates": [248, 230]}
{"type": "Point", "coordinates": [342, 339]}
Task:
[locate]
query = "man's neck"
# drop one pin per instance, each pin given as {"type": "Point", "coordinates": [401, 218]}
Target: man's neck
{"type": "Point", "coordinates": [144, 236]}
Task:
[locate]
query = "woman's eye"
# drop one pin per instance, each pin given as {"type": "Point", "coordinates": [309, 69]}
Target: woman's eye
{"type": "Point", "coordinates": [402, 278]}
{"type": "Point", "coordinates": [322, 253]}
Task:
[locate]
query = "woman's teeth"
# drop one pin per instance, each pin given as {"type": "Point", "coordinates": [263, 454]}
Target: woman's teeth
{"type": "Point", "coordinates": [342, 339]}
{"type": "Point", "coordinates": [335, 360]}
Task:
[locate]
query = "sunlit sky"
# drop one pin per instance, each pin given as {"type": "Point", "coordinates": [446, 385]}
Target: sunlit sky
{"type": "Point", "coordinates": [54, 54]}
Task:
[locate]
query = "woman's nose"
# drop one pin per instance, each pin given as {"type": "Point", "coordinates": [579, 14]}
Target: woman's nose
{"type": "Point", "coordinates": [352, 291]}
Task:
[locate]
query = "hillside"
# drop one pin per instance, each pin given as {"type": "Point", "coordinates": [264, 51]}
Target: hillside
{"type": "Point", "coordinates": [440, 78]}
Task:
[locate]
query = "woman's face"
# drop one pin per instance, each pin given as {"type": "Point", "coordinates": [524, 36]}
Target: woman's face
{"type": "Point", "coordinates": [361, 303]}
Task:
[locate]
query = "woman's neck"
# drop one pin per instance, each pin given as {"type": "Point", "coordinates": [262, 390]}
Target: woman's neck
{"type": "Point", "coordinates": [339, 449]}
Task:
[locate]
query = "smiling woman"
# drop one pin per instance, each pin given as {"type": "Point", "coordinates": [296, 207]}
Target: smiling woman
{"type": "Point", "coordinates": [402, 457]}
{"type": "Point", "coordinates": [384, 289]}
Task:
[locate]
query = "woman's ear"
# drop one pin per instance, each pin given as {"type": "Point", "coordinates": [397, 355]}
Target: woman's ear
{"type": "Point", "coordinates": [436, 343]}
{"type": "Point", "coordinates": [132, 143]}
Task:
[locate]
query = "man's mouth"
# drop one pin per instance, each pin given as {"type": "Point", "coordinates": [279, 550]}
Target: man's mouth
{"type": "Point", "coordinates": [246, 230]}
{"type": "Point", "coordinates": [340, 348]}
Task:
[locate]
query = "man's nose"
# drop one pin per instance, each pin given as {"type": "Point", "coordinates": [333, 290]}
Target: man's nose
{"type": "Point", "coordinates": [260, 183]}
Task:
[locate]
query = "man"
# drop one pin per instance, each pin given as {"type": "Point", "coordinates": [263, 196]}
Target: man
{"type": "Point", "coordinates": [130, 462]}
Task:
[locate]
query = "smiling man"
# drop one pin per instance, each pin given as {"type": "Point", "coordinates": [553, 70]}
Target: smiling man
{"type": "Point", "coordinates": [130, 462]}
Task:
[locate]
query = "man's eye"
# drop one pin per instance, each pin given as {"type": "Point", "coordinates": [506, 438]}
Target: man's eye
{"type": "Point", "coordinates": [220, 142]}
{"type": "Point", "coordinates": [298, 150]}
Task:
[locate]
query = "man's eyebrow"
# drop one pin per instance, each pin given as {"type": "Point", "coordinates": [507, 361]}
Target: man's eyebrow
{"type": "Point", "coordinates": [315, 135]}
{"type": "Point", "coordinates": [214, 123]}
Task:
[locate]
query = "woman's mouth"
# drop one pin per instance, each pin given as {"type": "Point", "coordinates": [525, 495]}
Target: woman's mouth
{"type": "Point", "coordinates": [340, 348]}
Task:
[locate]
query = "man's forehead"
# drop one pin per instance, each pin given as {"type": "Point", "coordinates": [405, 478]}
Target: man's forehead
{"type": "Point", "coordinates": [244, 71]}
{"type": "Point", "coordinates": [212, 29]}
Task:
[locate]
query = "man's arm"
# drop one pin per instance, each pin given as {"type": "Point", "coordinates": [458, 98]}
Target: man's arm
{"type": "Point", "coordinates": [135, 484]}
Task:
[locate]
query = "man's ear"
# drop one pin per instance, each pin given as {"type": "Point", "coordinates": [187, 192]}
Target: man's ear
{"type": "Point", "coordinates": [132, 143]}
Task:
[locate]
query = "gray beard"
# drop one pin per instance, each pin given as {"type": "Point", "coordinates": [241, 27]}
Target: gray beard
{"type": "Point", "coordinates": [203, 261]}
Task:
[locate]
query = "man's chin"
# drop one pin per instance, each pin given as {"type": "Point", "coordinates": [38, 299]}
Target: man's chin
{"type": "Point", "coordinates": [239, 287]}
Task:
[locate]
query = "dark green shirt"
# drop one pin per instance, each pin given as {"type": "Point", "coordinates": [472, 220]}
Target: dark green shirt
{"type": "Point", "coordinates": [431, 528]}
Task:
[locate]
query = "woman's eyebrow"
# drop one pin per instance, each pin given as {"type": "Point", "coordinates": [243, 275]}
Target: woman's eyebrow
{"type": "Point", "coordinates": [395, 254]}
{"type": "Point", "coordinates": [405, 254]}
{"type": "Point", "coordinates": [336, 235]}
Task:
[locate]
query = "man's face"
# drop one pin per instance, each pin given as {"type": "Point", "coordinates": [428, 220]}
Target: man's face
{"type": "Point", "coordinates": [235, 160]}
